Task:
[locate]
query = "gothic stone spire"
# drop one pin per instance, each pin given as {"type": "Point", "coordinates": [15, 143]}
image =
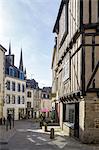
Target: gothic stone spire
{"type": "Point", "coordinates": [9, 48]}
{"type": "Point", "coordinates": [21, 62]}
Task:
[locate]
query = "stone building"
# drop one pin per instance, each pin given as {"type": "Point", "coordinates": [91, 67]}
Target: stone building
{"type": "Point", "coordinates": [15, 89]}
{"type": "Point", "coordinates": [2, 78]}
{"type": "Point", "coordinates": [37, 102]}
{"type": "Point", "coordinates": [75, 69]}
{"type": "Point", "coordinates": [31, 87]}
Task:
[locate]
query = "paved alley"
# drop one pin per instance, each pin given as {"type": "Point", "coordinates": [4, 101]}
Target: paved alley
{"type": "Point", "coordinates": [26, 135]}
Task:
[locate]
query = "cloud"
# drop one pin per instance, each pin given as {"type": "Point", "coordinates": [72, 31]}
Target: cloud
{"type": "Point", "coordinates": [28, 24]}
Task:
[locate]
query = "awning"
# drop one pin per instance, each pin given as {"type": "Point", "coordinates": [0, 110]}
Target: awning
{"type": "Point", "coordinates": [45, 110]}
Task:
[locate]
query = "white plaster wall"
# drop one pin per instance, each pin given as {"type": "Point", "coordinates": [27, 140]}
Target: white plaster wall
{"type": "Point", "coordinates": [16, 106]}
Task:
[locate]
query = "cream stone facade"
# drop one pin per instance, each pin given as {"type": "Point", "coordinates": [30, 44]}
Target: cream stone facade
{"type": "Point", "coordinates": [2, 78]}
{"type": "Point", "coordinates": [29, 102]}
{"type": "Point", "coordinates": [75, 69]}
{"type": "Point", "coordinates": [36, 102]}
{"type": "Point", "coordinates": [15, 97]}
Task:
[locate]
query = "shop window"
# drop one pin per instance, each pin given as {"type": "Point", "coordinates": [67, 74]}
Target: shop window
{"type": "Point", "coordinates": [71, 115]}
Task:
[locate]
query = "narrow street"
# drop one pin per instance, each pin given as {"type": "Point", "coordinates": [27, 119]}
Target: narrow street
{"type": "Point", "coordinates": [27, 135]}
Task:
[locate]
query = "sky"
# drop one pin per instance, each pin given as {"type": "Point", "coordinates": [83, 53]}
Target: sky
{"type": "Point", "coordinates": [28, 24]}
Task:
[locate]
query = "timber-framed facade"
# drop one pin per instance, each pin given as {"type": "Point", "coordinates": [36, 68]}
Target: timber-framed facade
{"type": "Point", "coordinates": [75, 68]}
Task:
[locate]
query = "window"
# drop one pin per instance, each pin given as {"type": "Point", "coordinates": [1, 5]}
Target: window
{"type": "Point", "coordinates": [18, 99]}
{"type": "Point", "coordinates": [22, 99]}
{"type": "Point", "coordinates": [28, 104]}
{"type": "Point", "coordinates": [48, 96]}
{"type": "Point", "coordinates": [8, 85]}
{"type": "Point", "coordinates": [19, 87]}
{"type": "Point", "coordinates": [44, 95]}
{"type": "Point", "coordinates": [10, 71]}
{"type": "Point", "coordinates": [13, 86]}
{"type": "Point", "coordinates": [29, 94]}
{"type": "Point", "coordinates": [21, 75]}
{"type": "Point", "coordinates": [13, 99]}
{"type": "Point", "coordinates": [23, 89]}
{"type": "Point", "coordinates": [66, 69]}
{"type": "Point", "coordinates": [71, 115]}
{"type": "Point", "coordinates": [8, 99]}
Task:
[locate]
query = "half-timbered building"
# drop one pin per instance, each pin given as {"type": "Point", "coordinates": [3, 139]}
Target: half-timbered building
{"type": "Point", "coordinates": [75, 68]}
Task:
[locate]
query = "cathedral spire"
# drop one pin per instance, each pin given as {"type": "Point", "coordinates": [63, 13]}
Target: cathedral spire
{"type": "Point", "coordinates": [21, 62]}
{"type": "Point", "coordinates": [9, 48]}
{"type": "Point", "coordinates": [25, 71]}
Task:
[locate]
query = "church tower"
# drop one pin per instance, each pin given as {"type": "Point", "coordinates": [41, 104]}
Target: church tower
{"type": "Point", "coordinates": [10, 57]}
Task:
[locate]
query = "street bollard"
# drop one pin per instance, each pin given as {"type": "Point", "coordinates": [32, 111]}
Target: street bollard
{"type": "Point", "coordinates": [52, 133]}
{"type": "Point", "coordinates": [41, 123]}
{"type": "Point", "coordinates": [46, 127]}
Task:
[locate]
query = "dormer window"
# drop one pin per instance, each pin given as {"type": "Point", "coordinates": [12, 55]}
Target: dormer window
{"type": "Point", "coordinates": [10, 71]}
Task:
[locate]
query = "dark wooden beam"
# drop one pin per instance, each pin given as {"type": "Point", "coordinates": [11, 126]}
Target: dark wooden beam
{"type": "Point", "coordinates": [91, 25]}
{"type": "Point", "coordinates": [90, 44]}
{"type": "Point", "coordinates": [93, 52]}
{"type": "Point", "coordinates": [93, 74]}
{"type": "Point", "coordinates": [81, 15]}
{"type": "Point", "coordinates": [90, 11]}
{"type": "Point", "coordinates": [93, 90]}
{"type": "Point", "coordinates": [76, 51]}
{"type": "Point", "coordinates": [98, 10]}
{"type": "Point", "coordinates": [83, 65]}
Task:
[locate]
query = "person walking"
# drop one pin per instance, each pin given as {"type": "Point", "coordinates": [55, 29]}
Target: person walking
{"type": "Point", "coordinates": [9, 120]}
{"type": "Point", "coordinates": [4, 120]}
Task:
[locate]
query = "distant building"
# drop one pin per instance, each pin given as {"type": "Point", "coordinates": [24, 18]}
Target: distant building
{"type": "Point", "coordinates": [31, 88]}
{"type": "Point", "coordinates": [31, 83]}
{"type": "Point", "coordinates": [2, 78]}
{"type": "Point", "coordinates": [29, 102]}
{"type": "Point", "coordinates": [36, 102]}
{"type": "Point", "coordinates": [46, 105]}
{"type": "Point", "coordinates": [75, 69]}
{"type": "Point", "coordinates": [15, 90]}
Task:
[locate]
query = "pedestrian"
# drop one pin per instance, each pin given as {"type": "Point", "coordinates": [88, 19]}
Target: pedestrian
{"type": "Point", "coordinates": [4, 120]}
{"type": "Point", "coordinates": [9, 120]}
{"type": "Point", "coordinates": [13, 121]}
{"type": "Point", "coordinates": [0, 121]}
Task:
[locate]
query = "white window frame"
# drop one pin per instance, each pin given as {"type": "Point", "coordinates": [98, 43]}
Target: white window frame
{"type": "Point", "coordinates": [66, 68]}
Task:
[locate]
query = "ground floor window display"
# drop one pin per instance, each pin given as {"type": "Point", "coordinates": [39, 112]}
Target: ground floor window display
{"type": "Point", "coordinates": [69, 113]}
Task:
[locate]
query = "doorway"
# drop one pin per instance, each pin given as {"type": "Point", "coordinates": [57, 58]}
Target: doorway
{"type": "Point", "coordinates": [76, 124]}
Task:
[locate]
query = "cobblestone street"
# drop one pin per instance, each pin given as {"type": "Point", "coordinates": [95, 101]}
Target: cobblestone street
{"type": "Point", "coordinates": [26, 135]}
